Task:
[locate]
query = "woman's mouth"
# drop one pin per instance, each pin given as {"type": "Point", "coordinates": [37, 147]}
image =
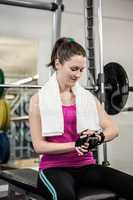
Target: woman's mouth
{"type": "Point", "coordinates": [73, 79]}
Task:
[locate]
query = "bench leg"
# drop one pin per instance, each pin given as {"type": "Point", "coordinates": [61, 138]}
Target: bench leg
{"type": "Point", "coordinates": [11, 192]}
{"type": "Point", "coordinates": [14, 192]}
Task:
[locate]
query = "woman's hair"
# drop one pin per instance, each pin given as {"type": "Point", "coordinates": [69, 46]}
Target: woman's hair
{"type": "Point", "coordinates": [64, 49]}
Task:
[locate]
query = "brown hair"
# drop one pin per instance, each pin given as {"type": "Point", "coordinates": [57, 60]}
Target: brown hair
{"type": "Point", "coordinates": [64, 49]}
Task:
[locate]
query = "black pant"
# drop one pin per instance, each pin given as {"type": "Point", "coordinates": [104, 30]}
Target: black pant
{"type": "Point", "coordinates": [63, 183]}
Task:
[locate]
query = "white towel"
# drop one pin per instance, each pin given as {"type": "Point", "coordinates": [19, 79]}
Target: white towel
{"type": "Point", "coordinates": [51, 109]}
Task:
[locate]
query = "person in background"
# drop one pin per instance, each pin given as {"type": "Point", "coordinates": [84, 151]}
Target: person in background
{"type": "Point", "coordinates": [66, 123]}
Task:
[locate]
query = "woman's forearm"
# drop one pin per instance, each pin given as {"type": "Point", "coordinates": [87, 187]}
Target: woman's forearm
{"type": "Point", "coordinates": [53, 148]}
{"type": "Point", "coordinates": [110, 133]}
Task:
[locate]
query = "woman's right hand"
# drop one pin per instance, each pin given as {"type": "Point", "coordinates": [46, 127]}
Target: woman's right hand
{"type": "Point", "coordinates": [81, 145]}
{"type": "Point", "coordinates": [81, 150]}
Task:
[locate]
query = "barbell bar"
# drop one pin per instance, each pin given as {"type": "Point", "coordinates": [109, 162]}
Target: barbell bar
{"type": "Point", "coordinates": [20, 86]}
{"type": "Point", "coordinates": [51, 6]}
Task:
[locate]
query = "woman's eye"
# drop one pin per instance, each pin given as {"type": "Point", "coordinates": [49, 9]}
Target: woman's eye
{"type": "Point", "coordinates": [81, 70]}
{"type": "Point", "coordinates": [75, 69]}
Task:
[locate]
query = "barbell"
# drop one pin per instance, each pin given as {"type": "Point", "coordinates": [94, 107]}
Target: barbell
{"type": "Point", "coordinates": [116, 87]}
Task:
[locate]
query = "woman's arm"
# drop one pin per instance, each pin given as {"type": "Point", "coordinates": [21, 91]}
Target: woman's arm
{"type": "Point", "coordinates": [110, 129]}
{"type": "Point", "coordinates": [39, 142]}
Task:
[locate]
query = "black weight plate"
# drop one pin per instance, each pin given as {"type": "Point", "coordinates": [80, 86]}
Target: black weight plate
{"type": "Point", "coordinates": [2, 81]}
{"type": "Point", "coordinates": [115, 98]}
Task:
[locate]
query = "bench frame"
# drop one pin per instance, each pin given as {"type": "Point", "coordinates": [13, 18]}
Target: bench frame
{"type": "Point", "coordinates": [14, 191]}
{"type": "Point", "coordinates": [15, 188]}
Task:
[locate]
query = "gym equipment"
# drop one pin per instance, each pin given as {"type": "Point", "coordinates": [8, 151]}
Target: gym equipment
{"type": "Point", "coordinates": [116, 97]}
{"type": "Point", "coordinates": [25, 182]}
{"type": "Point", "coordinates": [4, 147]}
{"type": "Point", "coordinates": [2, 81]}
{"type": "Point", "coordinates": [4, 114]}
{"type": "Point", "coordinates": [4, 124]}
{"type": "Point", "coordinates": [128, 109]}
{"type": "Point", "coordinates": [56, 7]}
{"type": "Point", "coordinates": [89, 40]}
{"type": "Point", "coordinates": [31, 4]}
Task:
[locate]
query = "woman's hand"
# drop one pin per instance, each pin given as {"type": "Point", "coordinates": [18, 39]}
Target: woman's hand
{"type": "Point", "coordinates": [88, 132]}
{"type": "Point", "coordinates": [88, 140]}
{"type": "Point", "coordinates": [82, 145]}
{"type": "Point", "coordinates": [81, 150]}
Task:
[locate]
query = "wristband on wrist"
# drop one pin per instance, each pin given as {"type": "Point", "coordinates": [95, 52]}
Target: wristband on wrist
{"type": "Point", "coordinates": [93, 141]}
{"type": "Point", "coordinates": [101, 134]}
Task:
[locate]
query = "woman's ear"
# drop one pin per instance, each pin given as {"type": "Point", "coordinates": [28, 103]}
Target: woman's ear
{"type": "Point", "coordinates": [57, 64]}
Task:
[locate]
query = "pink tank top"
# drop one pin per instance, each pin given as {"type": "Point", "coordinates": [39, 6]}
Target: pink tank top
{"type": "Point", "coordinates": [69, 159]}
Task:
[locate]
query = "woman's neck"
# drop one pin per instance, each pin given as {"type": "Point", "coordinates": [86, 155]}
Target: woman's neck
{"type": "Point", "coordinates": [62, 86]}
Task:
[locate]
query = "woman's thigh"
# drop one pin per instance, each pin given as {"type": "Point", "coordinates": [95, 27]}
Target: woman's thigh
{"type": "Point", "coordinates": [56, 183]}
{"type": "Point", "coordinates": [109, 178]}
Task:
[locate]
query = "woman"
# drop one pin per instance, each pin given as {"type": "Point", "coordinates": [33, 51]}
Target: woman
{"type": "Point", "coordinates": [66, 122]}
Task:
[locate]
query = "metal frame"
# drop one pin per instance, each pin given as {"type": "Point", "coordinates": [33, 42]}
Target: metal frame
{"type": "Point", "coordinates": [56, 6]}
{"type": "Point", "coordinates": [20, 86]}
{"type": "Point", "coordinates": [31, 4]}
{"type": "Point", "coordinates": [25, 194]}
{"type": "Point", "coordinates": [57, 20]}
{"type": "Point", "coordinates": [102, 86]}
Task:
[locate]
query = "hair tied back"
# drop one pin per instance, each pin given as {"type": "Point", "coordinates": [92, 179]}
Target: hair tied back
{"type": "Point", "coordinates": [71, 40]}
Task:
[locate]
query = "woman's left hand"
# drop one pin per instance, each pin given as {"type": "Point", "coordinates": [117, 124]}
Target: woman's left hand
{"type": "Point", "coordinates": [88, 132]}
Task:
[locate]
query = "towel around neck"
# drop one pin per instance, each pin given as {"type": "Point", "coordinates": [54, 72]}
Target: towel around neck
{"type": "Point", "coordinates": [50, 106]}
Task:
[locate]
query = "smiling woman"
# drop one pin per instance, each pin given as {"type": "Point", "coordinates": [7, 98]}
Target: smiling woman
{"type": "Point", "coordinates": [71, 70]}
{"type": "Point", "coordinates": [66, 123]}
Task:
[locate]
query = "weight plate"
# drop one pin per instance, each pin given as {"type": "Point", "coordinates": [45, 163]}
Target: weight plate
{"type": "Point", "coordinates": [2, 81]}
{"type": "Point", "coordinates": [116, 97]}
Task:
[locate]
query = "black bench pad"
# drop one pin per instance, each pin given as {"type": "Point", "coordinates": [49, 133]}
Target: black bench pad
{"type": "Point", "coordinates": [27, 180]}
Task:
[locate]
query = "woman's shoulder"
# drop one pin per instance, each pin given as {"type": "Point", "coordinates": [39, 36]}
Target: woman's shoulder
{"type": "Point", "coordinates": [34, 99]}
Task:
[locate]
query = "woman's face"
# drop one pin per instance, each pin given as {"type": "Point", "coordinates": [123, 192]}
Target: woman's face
{"type": "Point", "coordinates": [71, 70]}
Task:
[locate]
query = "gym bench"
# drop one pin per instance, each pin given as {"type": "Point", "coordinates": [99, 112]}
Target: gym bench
{"type": "Point", "coordinates": [24, 182]}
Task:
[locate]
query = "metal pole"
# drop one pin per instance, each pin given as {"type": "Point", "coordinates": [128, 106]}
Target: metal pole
{"type": "Point", "coordinates": [20, 86]}
{"type": "Point", "coordinates": [57, 21]}
{"type": "Point", "coordinates": [102, 95]}
{"type": "Point", "coordinates": [101, 52]}
{"type": "Point", "coordinates": [31, 4]}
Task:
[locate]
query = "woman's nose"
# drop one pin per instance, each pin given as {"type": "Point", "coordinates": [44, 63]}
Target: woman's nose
{"type": "Point", "coordinates": [78, 74]}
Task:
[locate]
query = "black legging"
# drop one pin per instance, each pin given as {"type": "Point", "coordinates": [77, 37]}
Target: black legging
{"type": "Point", "coordinates": [62, 183]}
